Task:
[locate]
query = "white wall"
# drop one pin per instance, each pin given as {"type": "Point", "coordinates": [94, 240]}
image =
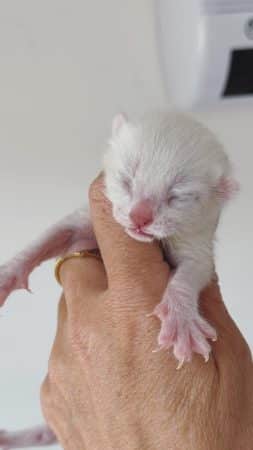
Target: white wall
{"type": "Point", "coordinates": [65, 68]}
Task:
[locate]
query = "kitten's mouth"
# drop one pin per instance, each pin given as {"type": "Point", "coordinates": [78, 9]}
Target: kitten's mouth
{"type": "Point", "coordinates": [139, 235]}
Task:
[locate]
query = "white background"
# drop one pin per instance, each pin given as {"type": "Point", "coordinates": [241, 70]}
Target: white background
{"type": "Point", "coordinates": [65, 68]}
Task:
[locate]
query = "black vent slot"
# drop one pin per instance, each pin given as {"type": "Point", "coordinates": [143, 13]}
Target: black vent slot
{"type": "Point", "coordinates": [240, 78]}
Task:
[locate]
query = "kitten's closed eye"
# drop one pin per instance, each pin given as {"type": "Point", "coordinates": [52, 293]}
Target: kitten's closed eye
{"type": "Point", "coordinates": [172, 198]}
{"type": "Point", "coordinates": [126, 184]}
{"type": "Point", "coordinates": [182, 197]}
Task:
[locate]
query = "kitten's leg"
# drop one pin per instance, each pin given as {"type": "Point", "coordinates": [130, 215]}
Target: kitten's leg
{"type": "Point", "coordinates": [182, 326]}
{"type": "Point", "coordinates": [31, 437]}
{"type": "Point", "coordinates": [72, 233]}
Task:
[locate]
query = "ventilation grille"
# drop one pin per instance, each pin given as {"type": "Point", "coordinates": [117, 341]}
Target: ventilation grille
{"type": "Point", "coordinates": [227, 6]}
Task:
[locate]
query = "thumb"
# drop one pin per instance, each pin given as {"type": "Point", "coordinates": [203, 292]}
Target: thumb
{"type": "Point", "coordinates": [121, 254]}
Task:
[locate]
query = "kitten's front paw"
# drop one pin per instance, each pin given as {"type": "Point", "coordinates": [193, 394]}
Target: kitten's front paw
{"type": "Point", "coordinates": [12, 276]}
{"type": "Point", "coordinates": [184, 330]}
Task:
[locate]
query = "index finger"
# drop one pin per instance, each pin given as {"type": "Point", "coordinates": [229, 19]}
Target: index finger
{"type": "Point", "coordinates": [122, 255]}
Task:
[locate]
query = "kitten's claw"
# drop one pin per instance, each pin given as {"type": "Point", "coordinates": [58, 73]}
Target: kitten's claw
{"type": "Point", "coordinates": [157, 350]}
{"type": "Point", "coordinates": [180, 364]}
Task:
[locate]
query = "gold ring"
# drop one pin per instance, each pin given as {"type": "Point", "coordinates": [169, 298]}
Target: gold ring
{"type": "Point", "coordinates": [82, 254]}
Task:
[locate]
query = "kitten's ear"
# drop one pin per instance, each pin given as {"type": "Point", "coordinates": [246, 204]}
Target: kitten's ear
{"type": "Point", "coordinates": [117, 123]}
{"type": "Point", "coordinates": [227, 188]}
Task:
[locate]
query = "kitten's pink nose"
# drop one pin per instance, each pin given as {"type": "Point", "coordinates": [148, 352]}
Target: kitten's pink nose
{"type": "Point", "coordinates": [142, 214]}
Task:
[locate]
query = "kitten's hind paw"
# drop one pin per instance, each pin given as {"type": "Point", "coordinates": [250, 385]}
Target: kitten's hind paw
{"type": "Point", "coordinates": [12, 276]}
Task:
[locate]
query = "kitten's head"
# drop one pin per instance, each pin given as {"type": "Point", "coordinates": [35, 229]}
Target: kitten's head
{"type": "Point", "coordinates": [164, 174]}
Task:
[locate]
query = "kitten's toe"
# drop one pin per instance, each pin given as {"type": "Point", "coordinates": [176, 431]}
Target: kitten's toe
{"type": "Point", "coordinates": [191, 342]}
{"type": "Point", "coordinates": [202, 331]}
{"type": "Point", "coordinates": [168, 333]}
{"type": "Point", "coordinates": [161, 310]}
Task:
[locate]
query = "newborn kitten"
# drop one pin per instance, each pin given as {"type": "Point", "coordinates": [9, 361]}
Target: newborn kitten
{"type": "Point", "coordinates": [168, 178]}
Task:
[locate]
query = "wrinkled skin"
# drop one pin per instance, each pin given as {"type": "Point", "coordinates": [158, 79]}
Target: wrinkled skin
{"type": "Point", "coordinates": [105, 389]}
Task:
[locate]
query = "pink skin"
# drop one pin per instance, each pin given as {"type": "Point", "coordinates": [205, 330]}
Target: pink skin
{"type": "Point", "coordinates": [182, 327]}
{"type": "Point", "coordinates": [37, 436]}
{"type": "Point", "coordinates": [142, 216]}
{"type": "Point", "coordinates": [73, 233]}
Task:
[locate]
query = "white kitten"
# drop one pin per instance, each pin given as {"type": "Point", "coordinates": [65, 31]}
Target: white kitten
{"type": "Point", "coordinates": [168, 178]}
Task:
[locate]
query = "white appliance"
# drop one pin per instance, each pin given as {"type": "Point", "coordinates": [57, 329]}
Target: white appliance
{"type": "Point", "coordinates": [206, 50]}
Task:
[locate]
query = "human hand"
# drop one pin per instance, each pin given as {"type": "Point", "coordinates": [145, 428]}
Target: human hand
{"type": "Point", "coordinates": [105, 389]}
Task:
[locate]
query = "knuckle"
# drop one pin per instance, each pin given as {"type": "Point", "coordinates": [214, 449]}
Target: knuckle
{"type": "Point", "coordinates": [242, 350]}
{"type": "Point", "coordinates": [48, 401]}
{"type": "Point", "coordinates": [55, 368]}
{"type": "Point", "coordinates": [52, 365]}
